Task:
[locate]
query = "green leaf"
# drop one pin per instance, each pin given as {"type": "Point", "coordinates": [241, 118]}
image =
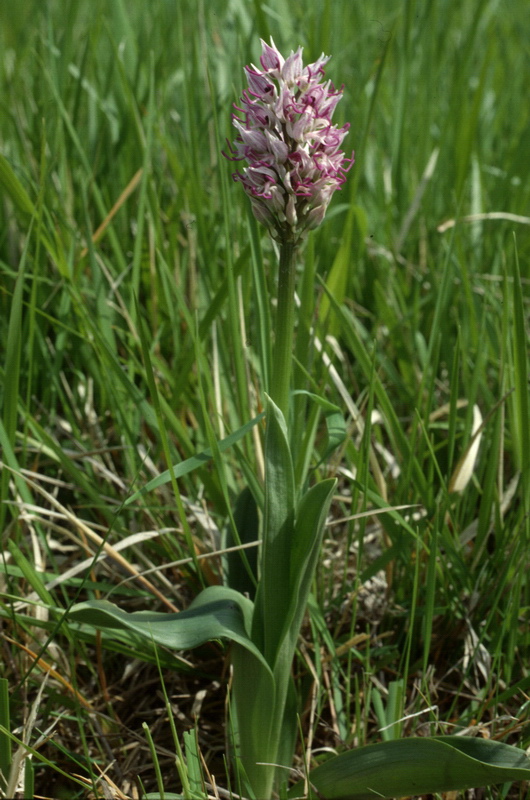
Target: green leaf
{"type": "Point", "coordinates": [254, 719]}
{"type": "Point", "coordinates": [216, 613]}
{"type": "Point", "coordinates": [195, 461]}
{"type": "Point", "coordinates": [305, 550]}
{"type": "Point", "coordinates": [246, 519]}
{"type": "Point", "coordinates": [265, 735]}
{"type": "Point", "coordinates": [335, 422]}
{"type": "Point", "coordinates": [336, 427]}
{"type": "Point", "coordinates": [304, 553]}
{"type": "Point", "coordinates": [273, 594]}
{"type": "Point", "coordinates": [415, 767]}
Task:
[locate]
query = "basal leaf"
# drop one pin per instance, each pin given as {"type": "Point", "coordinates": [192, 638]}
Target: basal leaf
{"type": "Point", "coordinates": [254, 703]}
{"type": "Point", "coordinates": [415, 766]}
{"type": "Point", "coordinates": [216, 613]}
{"type": "Point", "coordinates": [304, 552]}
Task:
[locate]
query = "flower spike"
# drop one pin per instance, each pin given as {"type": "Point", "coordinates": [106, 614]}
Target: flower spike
{"type": "Point", "coordinates": [286, 136]}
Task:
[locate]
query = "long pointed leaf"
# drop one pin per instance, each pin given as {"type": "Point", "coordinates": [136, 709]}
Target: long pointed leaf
{"type": "Point", "coordinates": [304, 552]}
{"type": "Point", "coordinates": [305, 549]}
{"type": "Point", "coordinates": [273, 595]}
{"type": "Point", "coordinates": [216, 613]}
{"type": "Point", "coordinates": [416, 766]}
{"type": "Point", "coordinates": [246, 518]}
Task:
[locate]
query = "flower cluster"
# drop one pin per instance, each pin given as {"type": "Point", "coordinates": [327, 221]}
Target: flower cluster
{"type": "Point", "coordinates": [289, 142]}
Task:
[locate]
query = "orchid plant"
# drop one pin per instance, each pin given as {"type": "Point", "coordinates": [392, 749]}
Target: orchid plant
{"type": "Point", "coordinates": [292, 165]}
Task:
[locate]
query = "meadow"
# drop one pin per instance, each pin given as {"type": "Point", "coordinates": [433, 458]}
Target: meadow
{"type": "Point", "coordinates": [137, 330]}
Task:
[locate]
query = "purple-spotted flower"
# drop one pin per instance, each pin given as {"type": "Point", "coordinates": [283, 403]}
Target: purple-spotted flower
{"type": "Point", "coordinates": [292, 149]}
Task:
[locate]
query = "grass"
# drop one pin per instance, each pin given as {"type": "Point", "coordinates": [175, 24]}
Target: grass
{"type": "Point", "coordinates": [134, 320]}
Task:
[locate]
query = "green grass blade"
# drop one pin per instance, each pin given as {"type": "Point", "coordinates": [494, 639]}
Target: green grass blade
{"type": "Point", "coordinates": [400, 439]}
{"type": "Point", "coordinates": [190, 464]}
{"type": "Point", "coordinates": [5, 725]}
{"type": "Point", "coordinates": [193, 763]}
{"type": "Point", "coordinates": [13, 188]}
{"type": "Point", "coordinates": [521, 377]}
{"type": "Point", "coordinates": [155, 761]}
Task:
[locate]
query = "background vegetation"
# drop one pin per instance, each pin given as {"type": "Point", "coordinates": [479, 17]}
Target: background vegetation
{"type": "Point", "coordinates": [132, 319]}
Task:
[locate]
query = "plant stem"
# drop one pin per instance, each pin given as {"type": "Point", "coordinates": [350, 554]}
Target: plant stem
{"type": "Point", "coordinates": [283, 346]}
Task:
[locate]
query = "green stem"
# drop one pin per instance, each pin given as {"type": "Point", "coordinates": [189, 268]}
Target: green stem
{"type": "Point", "coordinates": [283, 346]}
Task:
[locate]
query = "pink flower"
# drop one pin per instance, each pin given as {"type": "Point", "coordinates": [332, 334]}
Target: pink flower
{"type": "Point", "coordinates": [292, 149]}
